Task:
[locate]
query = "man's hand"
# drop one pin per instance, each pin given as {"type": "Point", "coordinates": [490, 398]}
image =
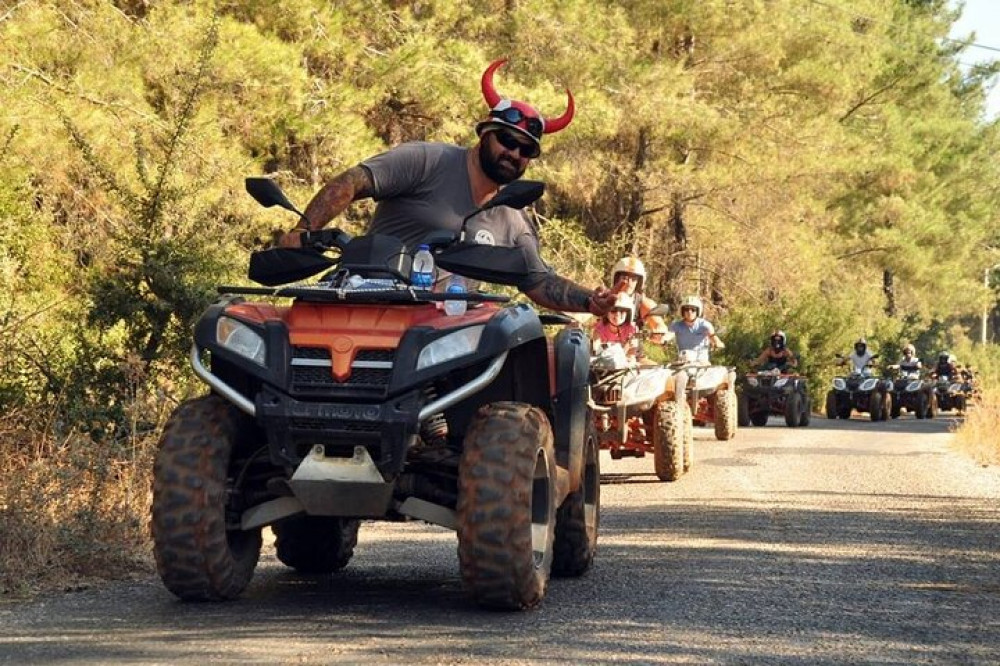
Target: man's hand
{"type": "Point", "coordinates": [601, 301]}
{"type": "Point", "coordinates": [291, 238]}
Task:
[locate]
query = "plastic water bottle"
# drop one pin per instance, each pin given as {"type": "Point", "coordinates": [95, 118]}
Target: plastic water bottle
{"type": "Point", "coordinates": [456, 285]}
{"type": "Point", "coordinates": [422, 269]}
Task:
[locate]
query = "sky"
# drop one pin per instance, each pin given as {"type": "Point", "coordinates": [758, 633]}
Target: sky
{"type": "Point", "coordinates": [983, 18]}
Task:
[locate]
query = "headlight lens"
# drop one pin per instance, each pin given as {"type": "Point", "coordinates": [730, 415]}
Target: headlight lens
{"type": "Point", "coordinates": [839, 384]}
{"type": "Point", "coordinates": [451, 346]}
{"type": "Point", "coordinates": [955, 388]}
{"type": "Point", "coordinates": [781, 382]}
{"type": "Point", "coordinates": [752, 381]}
{"type": "Point", "coordinates": [239, 338]}
{"type": "Point", "coordinates": [869, 384]}
{"type": "Point", "coordinates": [913, 386]}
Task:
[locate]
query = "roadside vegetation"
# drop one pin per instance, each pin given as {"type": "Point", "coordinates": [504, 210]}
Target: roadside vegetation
{"type": "Point", "coordinates": [824, 168]}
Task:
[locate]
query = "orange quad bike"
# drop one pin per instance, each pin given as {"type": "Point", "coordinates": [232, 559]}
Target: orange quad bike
{"type": "Point", "coordinates": [360, 398]}
{"type": "Point", "coordinates": [640, 409]}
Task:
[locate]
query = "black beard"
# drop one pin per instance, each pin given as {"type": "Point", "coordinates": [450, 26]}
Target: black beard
{"type": "Point", "coordinates": [500, 171]}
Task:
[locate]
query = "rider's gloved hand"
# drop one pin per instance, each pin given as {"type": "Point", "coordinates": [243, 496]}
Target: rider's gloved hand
{"type": "Point", "coordinates": [291, 238]}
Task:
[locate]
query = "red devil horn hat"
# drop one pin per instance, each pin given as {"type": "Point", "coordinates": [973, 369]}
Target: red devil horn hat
{"type": "Point", "coordinates": [494, 99]}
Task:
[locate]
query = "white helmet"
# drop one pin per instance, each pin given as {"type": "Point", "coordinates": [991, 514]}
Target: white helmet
{"type": "Point", "coordinates": [632, 266]}
{"type": "Point", "coordinates": [909, 348]}
{"type": "Point", "coordinates": [691, 302]}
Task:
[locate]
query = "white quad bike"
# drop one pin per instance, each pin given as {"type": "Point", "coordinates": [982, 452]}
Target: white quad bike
{"type": "Point", "coordinates": [640, 409]}
{"type": "Point", "coordinates": [711, 392]}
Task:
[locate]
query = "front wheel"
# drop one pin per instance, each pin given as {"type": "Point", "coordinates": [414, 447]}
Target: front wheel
{"type": "Point", "coordinates": [725, 414]}
{"type": "Point", "coordinates": [793, 409]}
{"type": "Point", "coordinates": [806, 411]}
{"type": "Point", "coordinates": [579, 516]}
{"type": "Point", "coordinates": [506, 506]}
{"type": "Point", "coordinates": [199, 556]}
{"type": "Point", "coordinates": [831, 405]}
{"type": "Point", "coordinates": [932, 406]}
{"type": "Point", "coordinates": [875, 406]}
{"type": "Point", "coordinates": [668, 440]}
{"type": "Point", "coordinates": [743, 411]}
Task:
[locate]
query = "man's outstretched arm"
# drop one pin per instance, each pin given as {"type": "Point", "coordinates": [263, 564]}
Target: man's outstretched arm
{"type": "Point", "coordinates": [558, 293]}
{"type": "Point", "coordinates": [332, 200]}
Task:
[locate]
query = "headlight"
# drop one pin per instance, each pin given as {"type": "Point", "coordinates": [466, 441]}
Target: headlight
{"type": "Point", "coordinates": [239, 338]}
{"type": "Point", "coordinates": [451, 346]}
{"type": "Point", "coordinates": [752, 381]}
{"type": "Point", "coordinates": [868, 384]}
{"type": "Point", "coordinates": [955, 388]}
{"type": "Point", "coordinates": [839, 384]}
{"type": "Point", "coordinates": [781, 382]}
{"type": "Point", "coordinates": [913, 386]}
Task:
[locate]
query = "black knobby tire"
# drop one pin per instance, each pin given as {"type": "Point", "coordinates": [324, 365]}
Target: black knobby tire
{"type": "Point", "coordinates": [831, 405]}
{"type": "Point", "coordinates": [506, 506]}
{"type": "Point", "coordinates": [316, 544]}
{"type": "Point", "coordinates": [844, 408]}
{"type": "Point", "coordinates": [688, 436]}
{"type": "Point", "coordinates": [897, 408]}
{"type": "Point", "coordinates": [197, 558]}
{"type": "Point", "coordinates": [921, 409]}
{"type": "Point", "coordinates": [668, 440]}
{"type": "Point", "coordinates": [578, 518]}
{"type": "Point", "coordinates": [726, 422]}
{"type": "Point", "coordinates": [806, 411]}
{"type": "Point", "coordinates": [743, 411]}
{"type": "Point", "coordinates": [886, 406]}
{"type": "Point", "coordinates": [932, 406]}
{"type": "Point", "coordinates": [793, 409]}
{"type": "Point", "coordinates": [759, 419]}
{"type": "Point", "coordinates": [875, 406]}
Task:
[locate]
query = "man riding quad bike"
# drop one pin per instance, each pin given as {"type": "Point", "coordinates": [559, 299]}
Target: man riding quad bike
{"type": "Point", "coordinates": [952, 389]}
{"type": "Point", "coordinates": [775, 388]}
{"type": "Point", "coordinates": [859, 390]}
{"type": "Point", "coordinates": [711, 389]}
{"type": "Point", "coordinates": [361, 399]}
{"type": "Point", "coordinates": [641, 408]}
{"type": "Point", "coordinates": [909, 391]}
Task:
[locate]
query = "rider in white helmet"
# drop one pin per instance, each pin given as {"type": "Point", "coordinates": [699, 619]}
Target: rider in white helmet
{"type": "Point", "coordinates": [616, 327]}
{"type": "Point", "coordinates": [909, 363]}
{"type": "Point", "coordinates": [693, 333]}
{"type": "Point", "coordinates": [860, 358]}
{"type": "Point", "coordinates": [628, 276]}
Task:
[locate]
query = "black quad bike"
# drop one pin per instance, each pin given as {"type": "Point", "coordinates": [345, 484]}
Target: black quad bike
{"type": "Point", "coordinates": [911, 393]}
{"type": "Point", "coordinates": [861, 392]}
{"type": "Point", "coordinates": [361, 399]}
{"type": "Point", "coordinates": [773, 391]}
{"type": "Point", "coordinates": [952, 394]}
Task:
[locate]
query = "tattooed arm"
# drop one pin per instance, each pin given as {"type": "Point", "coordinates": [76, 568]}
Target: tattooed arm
{"type": "Point", "coordinates": [332, 200]}
{"type": "Point", "coordinates": [558, 293]}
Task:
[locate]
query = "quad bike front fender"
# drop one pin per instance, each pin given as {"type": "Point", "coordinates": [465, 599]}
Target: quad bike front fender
{"type": "Point", "coordinates": [569, 403]}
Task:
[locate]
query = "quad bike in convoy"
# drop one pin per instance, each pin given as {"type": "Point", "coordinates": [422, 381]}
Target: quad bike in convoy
{"type": "Point", "coordinates": [859, 391]}
{"type": "Point", "coordinates": [911, 393]}
{"type": "Point", "coordinates": [772, 391]}
{"type": "Point", "coordinates": [363, 400]}
{"type": "Point", "coordinates": [711, 392]}
{"type": "Point", "coordinates": [952, 393]}
{"type": "Point", "coordinates": [640, 409]}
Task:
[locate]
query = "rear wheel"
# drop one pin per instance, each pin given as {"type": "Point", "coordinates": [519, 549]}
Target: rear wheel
{"type": "Point", "coordinates": [668, 440]}
{"type": "Point", "coordinates": [793, 409]}
{"type": "Point", "coordinates": [831, 405]}
{"type": "Point", "coordinates": [204, 446]}
{"type": "Point", "coordinates": [759, 419]}
{"type": "Point", "coordinates": [506, 506]}
{"type": "Point", "coordinates": [316, 544]}
{"type": "Point", "coordinates": [743, 411]}
{"type": "Point", "coordinates": [725, 414]}
{"type": "Point", "coordinates": [578, 517]}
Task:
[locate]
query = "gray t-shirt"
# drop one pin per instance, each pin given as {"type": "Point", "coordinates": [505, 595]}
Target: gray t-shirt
{"type": "Point", "coordinates": [422, 187]}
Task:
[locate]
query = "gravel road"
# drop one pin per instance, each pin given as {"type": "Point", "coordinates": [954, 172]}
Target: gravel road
{"type": "Point", "coordinates": [844, 542]}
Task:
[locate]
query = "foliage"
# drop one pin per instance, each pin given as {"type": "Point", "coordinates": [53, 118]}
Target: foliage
{"type": "Point", "coordinates": [808, 166]}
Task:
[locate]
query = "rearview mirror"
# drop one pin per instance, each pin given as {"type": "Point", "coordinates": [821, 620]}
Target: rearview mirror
{"type": "Point", "coordinates": [518, 194]}
{"type": "Point", "coordinates": [268, 193]}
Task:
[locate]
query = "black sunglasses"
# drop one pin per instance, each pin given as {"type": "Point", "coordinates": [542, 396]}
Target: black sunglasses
{"type": "Point", "coordinates": [511, 142]}
{"type": "Point", "coordinates": [513, 115]}
{"type": "Point", "coordinates": [689, 308]}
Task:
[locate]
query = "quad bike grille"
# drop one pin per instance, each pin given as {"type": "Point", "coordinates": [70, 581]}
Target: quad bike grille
{"type": "Point", "coordinates": [317, 378]}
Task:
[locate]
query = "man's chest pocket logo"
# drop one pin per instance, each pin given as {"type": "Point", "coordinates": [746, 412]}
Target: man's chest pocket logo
{"type": "Point", "coordinates": [484, 237]}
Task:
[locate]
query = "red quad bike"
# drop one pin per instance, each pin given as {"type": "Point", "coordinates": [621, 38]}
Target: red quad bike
{"type": "Point", "coordinates": [361, 399]}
